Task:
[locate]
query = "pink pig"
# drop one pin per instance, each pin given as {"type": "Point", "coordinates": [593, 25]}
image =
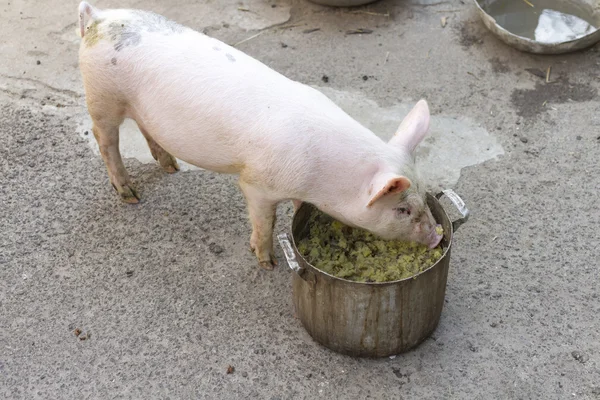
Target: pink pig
{"type": "Point", "coordinates": [209, 104]}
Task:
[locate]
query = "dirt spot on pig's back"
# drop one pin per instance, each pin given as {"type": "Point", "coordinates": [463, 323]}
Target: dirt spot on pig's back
{"type": "Point", "coordinates": [530, 103]}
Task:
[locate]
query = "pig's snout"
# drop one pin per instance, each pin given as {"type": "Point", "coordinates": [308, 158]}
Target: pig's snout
{"type": "Point", "coordinates": [434, 237]}
{"type": "Point", "coordinates": [429, 232]}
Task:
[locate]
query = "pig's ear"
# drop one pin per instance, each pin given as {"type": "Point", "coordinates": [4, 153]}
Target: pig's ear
{"type": "Point", "coordinates": [385, 185]}
{"type": "Point", "coordinates": [413, 128]}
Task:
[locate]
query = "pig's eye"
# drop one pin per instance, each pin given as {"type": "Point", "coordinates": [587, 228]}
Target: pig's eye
{"type": "Point", "coordinates": [403, 210]}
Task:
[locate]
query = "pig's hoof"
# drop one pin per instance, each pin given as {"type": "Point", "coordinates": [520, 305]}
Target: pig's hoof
{"type": "Point", "coordinates": [267, 265]}
{"type": "Point", "coordinates": [171, 169]}
{"type": "Point", "coordinates": [169, 164]}
{"type": "Point", "coordinates": [129, 195]}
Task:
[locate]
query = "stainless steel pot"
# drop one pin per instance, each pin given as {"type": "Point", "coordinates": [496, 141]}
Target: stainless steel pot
{"type": "Point", "coordinates": [370, 319]}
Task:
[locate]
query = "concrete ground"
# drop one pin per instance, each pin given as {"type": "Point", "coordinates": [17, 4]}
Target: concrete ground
{"type": "Point", "coordinates": [167, 294]}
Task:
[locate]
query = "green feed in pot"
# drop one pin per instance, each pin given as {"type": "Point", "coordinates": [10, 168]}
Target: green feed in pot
{"type": "Point", "coordinates": [357, 255]}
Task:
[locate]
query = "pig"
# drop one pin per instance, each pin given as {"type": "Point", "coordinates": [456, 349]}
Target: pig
{"type": "Point", "coordinates": [196, 99]}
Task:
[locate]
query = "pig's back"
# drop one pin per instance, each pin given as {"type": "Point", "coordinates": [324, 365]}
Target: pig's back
{"type": "Point", "coordinates": [206, 102]}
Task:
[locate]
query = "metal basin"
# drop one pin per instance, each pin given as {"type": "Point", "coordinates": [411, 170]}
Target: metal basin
{"type": "Point", "coordinates": [370, 319]}
{"type": "Point", "coordinates": [519, 20]}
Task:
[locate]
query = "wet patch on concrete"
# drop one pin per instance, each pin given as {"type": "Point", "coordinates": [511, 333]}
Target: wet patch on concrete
{"type": "Point", "coordinates": [157, 23]}
{"type": "Point", "coordinates": [68, 34]}
{"type": "Point", "coordinates": [499, 66]}
{"type": "Point", "coordinates": [529, 103]}
{"type": "Point", "coordinates": [452, 144]}
{"type": "Point", "coordinates": [468, 34]}
{"type": "Point", "coordinates": [249, 16]}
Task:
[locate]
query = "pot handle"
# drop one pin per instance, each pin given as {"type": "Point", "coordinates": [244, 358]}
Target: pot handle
{"type": "Point", "coordinates": [459, 204]}
{"type": "Point", "coordinates": [290, 256]}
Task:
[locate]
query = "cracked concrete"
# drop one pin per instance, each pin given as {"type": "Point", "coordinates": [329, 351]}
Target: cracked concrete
{"type": "Point", "coordinates": [166, 293]}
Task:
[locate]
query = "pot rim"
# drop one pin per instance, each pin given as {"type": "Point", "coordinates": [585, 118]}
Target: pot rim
{"type": "Point", "coordinates": [444, 254]}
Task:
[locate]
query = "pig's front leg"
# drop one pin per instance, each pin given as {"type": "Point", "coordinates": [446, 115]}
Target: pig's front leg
{"type": "Point", "coordinates": [262, 212]}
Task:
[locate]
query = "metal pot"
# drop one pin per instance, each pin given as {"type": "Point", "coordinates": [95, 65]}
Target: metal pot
{"type": "Point", "coordinates": [370, 319]}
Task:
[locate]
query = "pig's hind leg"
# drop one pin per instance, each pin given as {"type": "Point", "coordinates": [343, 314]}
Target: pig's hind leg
{"type": "Point", "coordinates": [166, 160]}
{"type": "Point", "coordinates": [106, 122]}
{"type": "Point", "coordinates": [262, 212]}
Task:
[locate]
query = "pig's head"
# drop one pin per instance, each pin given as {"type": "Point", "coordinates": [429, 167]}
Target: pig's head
{"type": "Point", "coordinates": [397, 205]}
